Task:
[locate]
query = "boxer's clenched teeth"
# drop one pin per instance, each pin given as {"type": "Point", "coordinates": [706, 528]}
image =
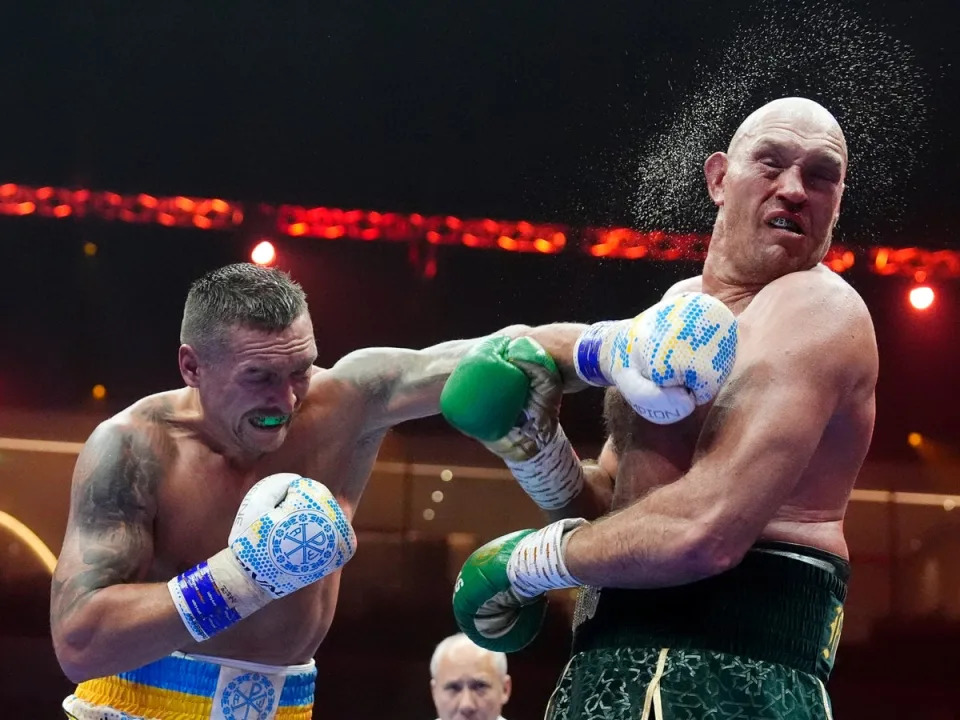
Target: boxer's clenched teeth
{"type": "Point", "coordinates": [269, 421]}
{"type": "Point", "coordinates": [785, 224]}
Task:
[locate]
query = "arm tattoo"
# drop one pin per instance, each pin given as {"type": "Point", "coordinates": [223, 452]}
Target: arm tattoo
{"type": "Point", "coordinates": [113, 504]}
{"type": "Point", "coordinates": [389, 375]}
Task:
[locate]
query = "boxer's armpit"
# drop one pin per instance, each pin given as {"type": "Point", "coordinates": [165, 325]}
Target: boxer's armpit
{"type": "Point", "coordinates": [109, 537]}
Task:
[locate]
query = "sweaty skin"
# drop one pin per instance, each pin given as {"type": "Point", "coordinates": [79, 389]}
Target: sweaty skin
{"type": "Point", "coordinates": [156, 488]}
{"type": "Point", "coordinates": [775, 456]}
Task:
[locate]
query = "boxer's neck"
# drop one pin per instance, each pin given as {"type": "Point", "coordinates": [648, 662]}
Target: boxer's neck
{"type": "Point", "coordinates": [735, 294]}
{"type": "Point", "coordinates": [206, 429]}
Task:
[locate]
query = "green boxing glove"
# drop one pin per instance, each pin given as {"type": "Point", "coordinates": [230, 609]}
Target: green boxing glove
{"type": "Point", "coordinates": [487, 392]}
{"type": "Point", "coordinates": [507, 394]}
{"type": "Point", "coordinates": [498, 599]}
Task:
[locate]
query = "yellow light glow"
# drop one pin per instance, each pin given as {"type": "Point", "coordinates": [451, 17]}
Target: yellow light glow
{"type": "Point", "coordinates": [30, 539]}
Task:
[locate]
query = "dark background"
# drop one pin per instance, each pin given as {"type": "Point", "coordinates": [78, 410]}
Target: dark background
{"type": "Point", "coordinates": [491, 110]}
{"type": "Point", "coordinates": [501, 110]}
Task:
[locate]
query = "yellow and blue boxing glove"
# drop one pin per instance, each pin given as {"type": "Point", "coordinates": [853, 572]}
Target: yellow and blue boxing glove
{"type": "Point", "coordinates": [288, 533]}
{"type": "Point", "coordinates": [665, 362]}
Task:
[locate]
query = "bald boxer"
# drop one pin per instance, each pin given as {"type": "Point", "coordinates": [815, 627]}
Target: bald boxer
{"type": "Point", "coordinates": [713, 582]}
{"type": "Point", "coordinates": [208, 524]}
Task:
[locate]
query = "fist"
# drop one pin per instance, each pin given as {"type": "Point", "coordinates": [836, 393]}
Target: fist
{"type": "Point", "coordinates": [507, 394]}
{"type": "Point", "coordinates": [486, 606]}
{"type": "Point", "coordinates": [290, 532]}
{"type": "Point", "coordinates": [666, 361]}
{"type": "Point", "coordinates": [687, 344]}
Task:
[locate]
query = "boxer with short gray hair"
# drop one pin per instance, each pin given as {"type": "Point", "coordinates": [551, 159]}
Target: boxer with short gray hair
{"type": "Point", "coordinates": [208, 524]}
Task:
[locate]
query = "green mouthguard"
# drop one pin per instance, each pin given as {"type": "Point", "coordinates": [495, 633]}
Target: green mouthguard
{"type": "Point", "coordinates": [273, 421]}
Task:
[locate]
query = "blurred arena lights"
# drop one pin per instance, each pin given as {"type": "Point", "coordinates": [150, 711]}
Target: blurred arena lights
{"type": "Point", "coordinates": [921, 297]}
{"type": "Point", "coordinates": [421, 231]}
{"type": "Point", "coordinates": [29, 538]}
{"type": "Point", "coordinates": [264, 253]}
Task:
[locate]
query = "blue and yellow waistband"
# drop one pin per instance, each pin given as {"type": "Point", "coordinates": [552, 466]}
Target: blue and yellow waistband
{"type": "Point", "coordinates": [184, 687]}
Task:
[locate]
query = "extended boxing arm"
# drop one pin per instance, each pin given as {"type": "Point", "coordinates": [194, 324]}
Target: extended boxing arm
{"type": "Point", "coordinates": [401, 384]}
{"type": "Point", "coordinates": [103, 617]}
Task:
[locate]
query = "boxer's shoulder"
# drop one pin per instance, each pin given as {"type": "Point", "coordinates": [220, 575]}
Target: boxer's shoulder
{"type": "Point", "coordinates": [813, 318]}
{"type": "Point", "coordinates": [141, 434]}
{"type": "Point", "coordinates": [693, 284]}
{"type": "Point", "coordinates": [336, 401]}
{"type": "Point", "coordinates": [357, 388]}
{"type": "Point", "coordinates": [818, 298]}
{"type": "Point", "coordinates": [816, 283]}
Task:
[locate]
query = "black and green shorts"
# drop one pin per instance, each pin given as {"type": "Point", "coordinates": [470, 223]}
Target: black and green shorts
{"type": "Point", "coordinates": [755, 643]}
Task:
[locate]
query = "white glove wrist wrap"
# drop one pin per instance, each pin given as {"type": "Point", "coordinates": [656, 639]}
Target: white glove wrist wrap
{"type": "Point", "coordinates": [554, 476]}
{"type": "Point", "coordinates": [230, 595]}
{"type": "Point", "coordinates": [598, 349]}
{"type": "Point", "coordinates": [536, 563]}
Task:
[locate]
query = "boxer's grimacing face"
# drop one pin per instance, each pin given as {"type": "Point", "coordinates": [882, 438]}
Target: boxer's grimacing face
{"type": "Point", "coordinates": [779, 188]}
{"type": "Point", "coordinates": [258, 382]}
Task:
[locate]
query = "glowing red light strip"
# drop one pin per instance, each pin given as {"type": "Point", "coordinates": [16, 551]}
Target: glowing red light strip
{"type": "Point", "coordinates": [514, 236]}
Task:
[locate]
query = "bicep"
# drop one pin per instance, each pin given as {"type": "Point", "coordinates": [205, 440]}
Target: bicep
{"type": "Point", "coordinates": [756, 442]}
{"type": "Point", "coordinates": [801, 352]}
{"type": "Point", "coordinates": [109, 537]}
{"type": "Point", "coordinates": [765, 416]}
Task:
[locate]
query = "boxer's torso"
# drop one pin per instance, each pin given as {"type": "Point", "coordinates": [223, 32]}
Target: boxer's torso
{"type": "Point", "coordinates": [652, 455]}
{"type": "Point", "coordinates": [200, 491]}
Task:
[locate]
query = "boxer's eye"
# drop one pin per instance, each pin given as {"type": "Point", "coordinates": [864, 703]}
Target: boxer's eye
{"type": "Point", "coordinates": [256, 377]}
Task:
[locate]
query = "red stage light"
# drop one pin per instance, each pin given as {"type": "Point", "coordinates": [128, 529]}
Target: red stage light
{"type": "Point", "coordinates": [264, 253]}
{"type": "Point", "coordinates": [921, 297]}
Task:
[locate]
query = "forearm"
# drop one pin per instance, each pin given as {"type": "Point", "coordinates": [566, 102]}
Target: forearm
{"type": "Point", "coordinates": [656, 542]}
{"type": "Point", "coordinates": [559, 339]}
{"type": "Point", "coordinates": [594, 499]}
{"type": "Point", "coordinates": [119, 628]}
{"type": "Point", "coordinates": [399, 384]}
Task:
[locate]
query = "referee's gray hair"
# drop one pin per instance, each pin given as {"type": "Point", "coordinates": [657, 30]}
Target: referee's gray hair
{"type": "Point", "coordinates": [445, 645]}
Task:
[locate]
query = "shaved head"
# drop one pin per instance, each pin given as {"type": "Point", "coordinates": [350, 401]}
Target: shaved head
{"type": "Point", "coordinates": [791, 112]}
{"type": "Point", "coordinates": [777, 190]}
